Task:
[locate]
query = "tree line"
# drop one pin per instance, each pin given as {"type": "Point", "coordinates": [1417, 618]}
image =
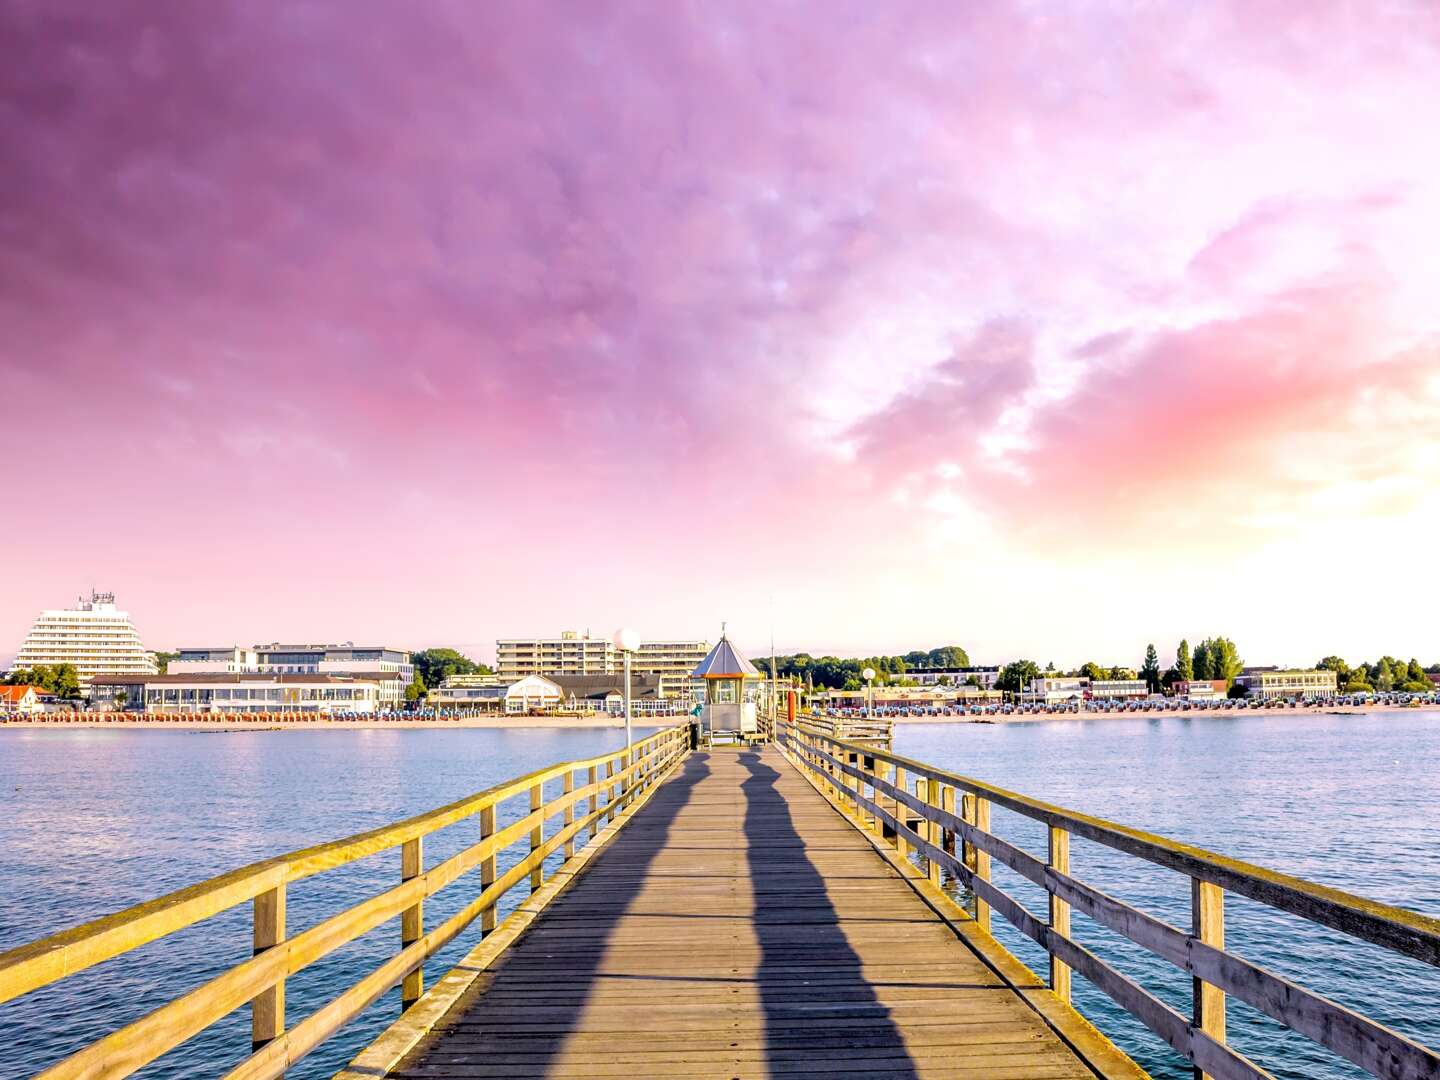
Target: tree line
{"type": "Point", "coordinates": [62, 680]}
{"type": "Point", "coordinates": [1385, 674]}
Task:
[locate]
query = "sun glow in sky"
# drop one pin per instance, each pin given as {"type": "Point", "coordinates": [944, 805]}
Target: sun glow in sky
{"type": "Point", "coordinates": [1045, 329]}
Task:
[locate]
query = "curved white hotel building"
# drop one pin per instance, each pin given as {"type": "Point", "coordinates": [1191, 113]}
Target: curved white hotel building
{"type": "Point", "coordinates": [94, 635]}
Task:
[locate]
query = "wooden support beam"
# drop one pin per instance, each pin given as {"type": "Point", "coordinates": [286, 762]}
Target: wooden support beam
{"type": "Point", "coordinates": [1207, 908]}
{"type": "Point", "coordinates": [537, 836]}
{"type": "Point", "coordinates": [569, 814]}
{"type": "Point", "coordinates": [1059, 910]}
{"type": "Point", "coordinates": [901, 847]}
{"type": "Point", "coordinates": [487, 869]}
{"type": "Point", "coordinates": [982, 862]}
{"type": "Point", "coordinates": [267, 1010]}
{"type": "Point", "coordinates": [932, 829]}
{"type": "Point", "coordinates": [412, 919]}
{"type": "Point", "coordinates": [594, 778]}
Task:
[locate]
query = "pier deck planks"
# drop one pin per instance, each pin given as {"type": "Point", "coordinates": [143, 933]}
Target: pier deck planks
{"type": "Point", "coordinates": [739, 927]}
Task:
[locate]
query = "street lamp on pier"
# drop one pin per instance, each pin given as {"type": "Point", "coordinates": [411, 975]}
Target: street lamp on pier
{"type": "Point", "coordinates": [869, 675]}
{"type": "Point", "coordinates": [627, 641]}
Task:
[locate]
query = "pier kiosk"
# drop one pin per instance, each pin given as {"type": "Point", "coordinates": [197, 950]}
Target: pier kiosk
{"type": "Point", "coordinates": [729, 704]}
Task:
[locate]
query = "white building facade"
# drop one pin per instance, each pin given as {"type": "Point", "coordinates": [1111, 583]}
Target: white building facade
{"type": "Point", "coordinates": [95, 636]}
{"type": "Point", "coordinates": [572, 653]}
{"type": "Point", "coordinates": [391, 669]}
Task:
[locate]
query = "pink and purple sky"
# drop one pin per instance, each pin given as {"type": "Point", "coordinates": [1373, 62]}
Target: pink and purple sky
{"type": "Point", "coordinates": [1045, 329]}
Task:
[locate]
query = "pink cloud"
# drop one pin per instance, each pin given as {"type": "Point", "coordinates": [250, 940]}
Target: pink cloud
{"type": "Point", "coordinates": [334, 269]}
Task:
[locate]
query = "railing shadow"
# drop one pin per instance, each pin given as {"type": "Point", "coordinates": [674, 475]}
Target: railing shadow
{"type": "Point", "coordinates": [808, 973]}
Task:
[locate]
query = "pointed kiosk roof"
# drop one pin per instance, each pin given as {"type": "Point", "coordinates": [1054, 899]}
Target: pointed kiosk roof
{"type": "Point", "coordinates": [725, 661]}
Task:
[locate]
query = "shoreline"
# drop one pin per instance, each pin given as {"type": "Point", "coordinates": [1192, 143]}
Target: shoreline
{"type": "Point", "coordinates": [1166, 714]}
{"type": "Point", "coordinates": [590, 723]}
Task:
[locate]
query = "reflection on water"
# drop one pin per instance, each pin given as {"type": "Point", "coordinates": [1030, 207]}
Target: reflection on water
{"type": "Point", "coordinates": [1348, 801]}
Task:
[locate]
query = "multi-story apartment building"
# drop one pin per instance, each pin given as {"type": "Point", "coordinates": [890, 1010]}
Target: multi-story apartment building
{"type": "Point", "coordinates": [389, 668]}
{"type": "Point", "coordinates": [574, 654]}
{"type": "Point", "coordinates": [95, 636]}
{"type": "Point", "coordinates": [1271, 683]}
{"type": "Point", "coordinates": [986, 676]}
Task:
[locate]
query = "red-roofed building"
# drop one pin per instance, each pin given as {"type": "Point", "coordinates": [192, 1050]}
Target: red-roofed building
{"type": "Point", "coordinates": [21, 699]}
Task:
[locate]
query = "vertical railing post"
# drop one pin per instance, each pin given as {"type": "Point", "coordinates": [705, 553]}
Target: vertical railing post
{"type": "Point", "coordinates": [982, 862]}
{"type": "Point", "coordinates": [1207, 906]}
{"type": "Point", "coordinates": [901, 784]}
{"type": "Point", "coordinates": [871, 765]}
{"type": "Point", "coordinates": [487, 868]}
{"type": "Point", "coordinates": [594, 779]}
{"type": "Point", "coordinates": [412, 919]}
{"type": "Point", "coordinates": [1059, 861]}
{"type": "Point", "coordinates": [537, 836]}
{"type": "Point", "coordinates": [947, 803]}
{"type": "Point", "coordinates": [610, 790]}
{"type": "Point", "coordinates": [932, 833]}
{"type": "Point", "coordinates": [267, 1010]}
{"type": "Point", "coordinates": [569, 814]}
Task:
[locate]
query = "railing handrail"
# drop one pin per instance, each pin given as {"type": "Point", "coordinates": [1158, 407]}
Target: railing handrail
{"type": "Point", "coordinates": [1395, 928]}
{"type": "Point", "coordinates": [1201, 952]}
{"type": "Point", "coordinates": [40, 963]}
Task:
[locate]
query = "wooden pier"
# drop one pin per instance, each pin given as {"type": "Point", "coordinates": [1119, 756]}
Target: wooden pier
{"type": "Point", "coordinates": [770, 911]}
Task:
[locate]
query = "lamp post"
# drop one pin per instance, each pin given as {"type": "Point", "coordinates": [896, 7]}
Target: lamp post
{"type": "Point", "coordinates": [627, 641]}
{"type": "Point", "coordinates": [869, 676]}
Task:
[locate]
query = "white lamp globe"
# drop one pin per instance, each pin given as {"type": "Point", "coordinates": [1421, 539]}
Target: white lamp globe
{"type": "Point", "coordinates": [868, 674]}
{"type": "Point", "coordinates": [627, 639]}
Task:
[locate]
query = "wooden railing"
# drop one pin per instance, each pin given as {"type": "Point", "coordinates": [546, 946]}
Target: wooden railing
{"type": "Point", "coordinates": [874, 787]}
{"type": "Point", "coordinates": [853, 728]}
{"type": "Point", "coordinates": [607, 785]}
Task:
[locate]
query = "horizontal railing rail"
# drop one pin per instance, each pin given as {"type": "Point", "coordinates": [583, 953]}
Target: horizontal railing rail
{"type": "Point", "coordinates": [609, 783]}
{"type": "Point", "coordinates": [873, 786]}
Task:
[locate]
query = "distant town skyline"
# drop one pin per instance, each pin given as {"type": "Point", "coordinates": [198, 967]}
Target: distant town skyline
{"type": "Point", "coordinates": [1045, 332]}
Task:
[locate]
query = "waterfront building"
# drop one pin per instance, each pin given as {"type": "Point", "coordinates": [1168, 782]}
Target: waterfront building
{"type": "Point", "coordinates": [229, 692]}
{"type": "Point", "coordinates": [21, 699]}
{"type": "Point", "coordinates": [1200, 689]}
{"type": "Point", "coordinates": [389, 668]}
{"type": "Point", "coordinates": [1270, 683]}
{"type": "Point", "coordinates": [986, 676]}
{"type": "Point", "coordinates": [1118, 689]}
{"type": "Point", "coordinates": [1052, 689]}
{"type": "Point", "coordinates": [575, 654]}
{"type": "Point", "coordinates": [95, 636]}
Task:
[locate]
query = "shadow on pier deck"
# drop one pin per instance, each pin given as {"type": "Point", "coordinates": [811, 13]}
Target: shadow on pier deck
{"type": "Point", "coordinates": [739, 927]}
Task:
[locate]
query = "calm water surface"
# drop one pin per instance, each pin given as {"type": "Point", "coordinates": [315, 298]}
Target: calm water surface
{"type": "Point", "coordinates": [95, 821]}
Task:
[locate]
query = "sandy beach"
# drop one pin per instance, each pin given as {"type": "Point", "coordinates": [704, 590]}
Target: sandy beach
{"type": "Point", "coordinates": [218, 724]}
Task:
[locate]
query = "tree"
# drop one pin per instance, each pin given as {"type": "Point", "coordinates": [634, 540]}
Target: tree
{"type": "Point", "coordinates": [1184, 668]}
{"type": "Point", "coordinates": [416, 690]}
{"type": "Point", "coordinates": [948, 656]}
{"type": "Point", "coordinates": [1150, 670]}
{"type": "Point", "coordinates": [1200, 661]}
{"type": "Point", "coordinates": [162, 660]}
{"type": "Point", "coordinates": [971, 680]}
{"type": "Point", "coordinates": [1222, 659]}
{"type": "Point", "coordinates": [434, 666]}
{"type": "Point", "coordinates": [1016, 674]}
{"type": "Point", "coordinates": [62, 680]}
{"type": "Point", "coordinates": [1123, 673]}
{"type": "Point", "coordinates": [1093, 671]}
{"type": "Point", "coordinates": [1384, 675]}
{"type": "Point", "coordinates": [1337, 665]}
